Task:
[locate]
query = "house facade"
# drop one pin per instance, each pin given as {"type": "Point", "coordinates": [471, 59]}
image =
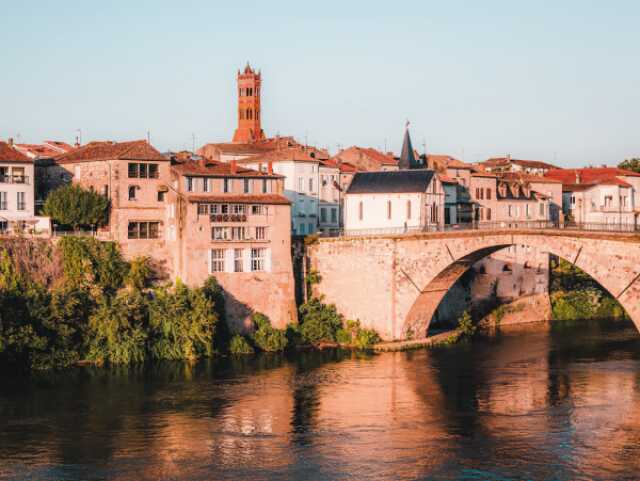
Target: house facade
{"type": "Point", "coordinates": [17, 194]}
{"type": "Point", "coordinates": [394, 200]}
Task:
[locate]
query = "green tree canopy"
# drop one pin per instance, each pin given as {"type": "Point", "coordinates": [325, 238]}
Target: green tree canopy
{"type": "Point", "coordinates": [631, 164]}
{"type": "Point", "coordinates": [73, 206]}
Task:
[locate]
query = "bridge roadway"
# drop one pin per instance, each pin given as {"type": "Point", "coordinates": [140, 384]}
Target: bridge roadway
{"type": "Point", "coordinates": [395, 282]}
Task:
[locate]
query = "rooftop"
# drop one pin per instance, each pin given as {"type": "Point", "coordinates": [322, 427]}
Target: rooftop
{"type": "Point", "coordinates": [392, 182]}
{"type": "Point", "coordinates": [9, 154]}
{"type": "Point", "coordinates": [214, 168]}
{"type": "Point", "coordinates": [132, 150]}
{"type": "Point", "coordinates": [504, 161]}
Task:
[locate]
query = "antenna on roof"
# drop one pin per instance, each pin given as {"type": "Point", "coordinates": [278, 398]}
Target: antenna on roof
{"type": "Point", "coordinates": [79, 137]}
{"type": "Point", "coordinates": [148, 137]}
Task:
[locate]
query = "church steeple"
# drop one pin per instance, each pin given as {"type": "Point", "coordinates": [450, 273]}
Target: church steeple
{"type": "Point", "coordinates": [407, 156]}
{"type": "Point", "coordinates": [249, 126]}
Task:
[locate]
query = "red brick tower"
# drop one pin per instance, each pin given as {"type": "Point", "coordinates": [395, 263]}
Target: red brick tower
{"type": "Point", "coordinates": [249, 129]}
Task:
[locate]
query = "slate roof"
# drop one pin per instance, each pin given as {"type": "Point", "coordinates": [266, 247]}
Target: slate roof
{"type": "Point", "coordinates": [393, 182]}
{"type": "Point", "coordinates": [407, 157]}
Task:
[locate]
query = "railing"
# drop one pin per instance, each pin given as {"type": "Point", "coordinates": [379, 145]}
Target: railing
{"type": "Point", "coordinates": [14, 179]}
{"type": "Point", "coordinates": [502, 225]}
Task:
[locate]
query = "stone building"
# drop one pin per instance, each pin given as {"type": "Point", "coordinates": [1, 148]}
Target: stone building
{"type": "Point", "coordinates": [233, 223]}
{"type": "Point", "coordinates": [17, 193]}
{"type": "Point", "coordinates": [194, 219]}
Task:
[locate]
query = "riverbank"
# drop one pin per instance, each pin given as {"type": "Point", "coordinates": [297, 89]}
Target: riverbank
{"type": "Point", "coordinates": [440, 339]}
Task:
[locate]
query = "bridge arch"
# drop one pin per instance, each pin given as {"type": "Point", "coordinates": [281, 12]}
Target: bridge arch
{"type": "Point", "coordinates": [424, 308]}
{"type": "Point", "coordinates": [392, 283]}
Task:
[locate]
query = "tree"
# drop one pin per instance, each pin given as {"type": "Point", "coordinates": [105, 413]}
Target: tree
{"type": "Point", "coordinates": [73, 206]}
{"type": "Point", "coordinates": [632, 164]}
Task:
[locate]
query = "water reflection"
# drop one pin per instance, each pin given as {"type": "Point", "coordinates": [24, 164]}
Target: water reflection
{"type": "Point", "coordinates": [554, 401]}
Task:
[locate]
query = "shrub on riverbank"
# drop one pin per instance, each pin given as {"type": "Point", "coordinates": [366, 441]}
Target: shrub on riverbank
{"type": "Point", "coordinates": [103, 310]}
{"type": "Point", "coordinates": [239, 345]}
{"type": "Point", "coordinates": [321, 323]}
{"type": "Point", "coordinates": [266, 337]}
{"type": "Point", "coordinates": [575, 295]}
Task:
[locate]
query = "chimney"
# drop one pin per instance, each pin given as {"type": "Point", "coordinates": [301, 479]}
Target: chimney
{"type": "Point", "coordinates": [10, 142]}
{"type": "Point", "coordinates": [270, 168]}
{"type": "Point", "coordinates": [77, 144]}
{"type": "Point", "coordinates": [234, 166]}
{"type": "Point", "coordinates": [577, 177]}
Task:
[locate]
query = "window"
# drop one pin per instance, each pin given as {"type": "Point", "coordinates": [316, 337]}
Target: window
{"type": "Point", "coordinates": [510, 211]}
{"type": "Point", "coordinates": [256, 209]}
{"type": "Point", "coordinates": [265, 186]}
{"type": "Point", "coordinates": [238, 260]}
{"type": "Point", "coordinates": [189, 184]}
{"type": "Point", "coordinates": [323, 215]}
{"type": "Point", "coordinates": [303, 228]}
{"type": "Point", "coordinates": [226, 185]}
{"type": "Point", "coordinates": [21, 202]}
{"type": "Point", "coordinates": [133, 171]}
{"type": "Point", "coordinates": [388, 209]}
{"type": "Point", "coordinates": [247, 186]}
{"type": "Point", "coordinates": [144, 230]}
{"type": "Point", "coordinates": [311, 185]}
{"type": "Point", "coordinates": [203, 209]}
{"type": "Point", "coordinates": [258, 257]}
{"type": "Point", "coordinates": [4, 225]}
{"type": "Point", "coordinates": [311, 228]}
{"type": "Point", "coordinates": [105, 191]}
{"type": "Point", "coordinates": [205, 184]}
{"type": "Point", "coordinates": [3, 201]}
{"type": "Point", "coordinates": [573, 200]}
{"type": "Point", "coordinates": [488, 213]}
{"type": "Point", "coordinates": [217, 260]}
{"type": "Point", "coordinates": [334, 216]}
{"type": "Point", "coordinates": [132, 192]}
{"type": "Point", "coordinates": [261, 233]}
{"type": "Point", "coordinates": [488, 192]}
{"type": "Point", "coordinates": [219, 233]}
{"type": "Point", "coordinates": [408, 209]}
{"type": "Point", "coordinates": [541, 210]}
{"type": "Point", "coordinates": [238, 233]}
{"type": "Point", "coordinates": [608, 200]}
{"type": "Point", "coordinates": [161, 196]}
{"type": "Point", "coordinates": [526, 210]}
{"type": "Point", "coordinates": [238, 209]}
{"type": "Point", "coordinates": [142, 171]}
{"type": "Point", "coordinates": [360, 210]}
{"type": "Point", "coordinates": [300, 184]}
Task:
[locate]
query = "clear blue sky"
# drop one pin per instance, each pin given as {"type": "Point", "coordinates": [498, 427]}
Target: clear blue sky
{"type": "Point", "coordinates": [543, 80]}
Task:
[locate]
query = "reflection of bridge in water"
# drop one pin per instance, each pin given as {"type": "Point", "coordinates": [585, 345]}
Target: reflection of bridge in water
{"type": "Point", "coordinates": [395, 282]}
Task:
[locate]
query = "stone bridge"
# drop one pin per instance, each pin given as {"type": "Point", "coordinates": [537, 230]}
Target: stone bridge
{"type": "Point", "coordinates": [394, 283]}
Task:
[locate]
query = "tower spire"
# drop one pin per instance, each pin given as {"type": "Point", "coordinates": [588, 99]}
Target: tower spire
{"type": "Point", "coordinates": [407, 156]}
{"type": "Point", "coordinates": [249, 125]}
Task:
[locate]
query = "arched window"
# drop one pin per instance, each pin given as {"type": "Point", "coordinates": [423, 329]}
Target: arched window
{"type": "Point", "coordinates": [506, 268]}
{"type": "Point", "coordinates": [248, 114]}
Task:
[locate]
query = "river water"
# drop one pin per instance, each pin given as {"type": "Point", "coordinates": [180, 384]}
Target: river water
{"type": "Point", "coordinates": [546, 401]}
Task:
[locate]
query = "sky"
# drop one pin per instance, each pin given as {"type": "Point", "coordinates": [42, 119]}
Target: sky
{"type": "Point", "coordinates": [548, 80]}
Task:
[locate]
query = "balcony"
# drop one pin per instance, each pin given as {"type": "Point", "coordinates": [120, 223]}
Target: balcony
{"type": "Point", "coordinates": [14, 179]}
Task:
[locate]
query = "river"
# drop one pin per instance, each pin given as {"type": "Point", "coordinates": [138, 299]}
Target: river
{"type": "Point", "coordinates": [546, 401]}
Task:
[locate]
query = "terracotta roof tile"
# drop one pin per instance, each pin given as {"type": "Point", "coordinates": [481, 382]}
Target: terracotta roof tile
{"type": "Point", "coordinates": [214, 168]}
{"type": "Point", "coordinates": [9, 154]}
{"type": "Point", "coordinates": [240, 199]}
{"type": "Point", "coordinates": [133, 150]}
{"type": "Point", "coordinates": [591, 176]}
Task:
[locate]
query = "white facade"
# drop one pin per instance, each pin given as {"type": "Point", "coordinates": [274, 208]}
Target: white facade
{"type": "Point", "coordinates": [301, 186]}
{"type": "Point", "coordinates": [17, 199]}
{"type": "Point", "coordinates": [601, 204]}
{"type": "Point", "coordinates": [329, 198]}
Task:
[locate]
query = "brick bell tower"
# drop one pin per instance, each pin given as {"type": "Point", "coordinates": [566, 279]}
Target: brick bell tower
{"type": "Point", "coordinates": [249, 128]}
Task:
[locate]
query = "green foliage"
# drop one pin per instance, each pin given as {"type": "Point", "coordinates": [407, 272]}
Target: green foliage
{"type": "Point", "coordinates": [266, 337]}
{"type": "Point", "coordinates": [319, 322]}
{"type": "Point", "coordinates": [631, 164]}
{"type": "Point", "coordinates": [366, 338]}
{"type": "Point", "coordinates": [73, 206]}
{"type": "Point", "coordinates": [140, 274]}
{"type": "Point", "coordinates": [575, 295]}
{"type": "Point", "coordinates": [117, 330]}
{"type": "Point", "coordinates": [88, 262]}
{"type": "Point", "coordinates": [313, 278]}
{"type": "Point", "coordinates": [466, 325]}
{"type": "Point", "coordinates": [182, 323]}
{"type": "Point", "coordinates": [239, 345]}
